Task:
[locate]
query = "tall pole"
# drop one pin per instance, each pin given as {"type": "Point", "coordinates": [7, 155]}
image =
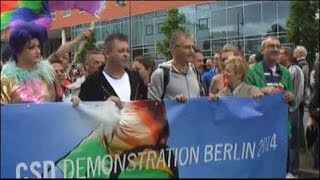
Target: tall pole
{"type": "Point", "coordinates": [238, 24]}
{"type": "Point", "coordinates": [130, 31]}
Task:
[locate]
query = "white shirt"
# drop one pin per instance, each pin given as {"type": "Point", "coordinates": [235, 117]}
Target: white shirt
{"type": "Point", "coordinates": [121, 86]}
{"type": "Point", "coordinates": [273, 69]}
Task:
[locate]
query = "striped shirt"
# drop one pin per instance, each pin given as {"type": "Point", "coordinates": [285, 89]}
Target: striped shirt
{"type": "Point", "coordinates": [272, 75]}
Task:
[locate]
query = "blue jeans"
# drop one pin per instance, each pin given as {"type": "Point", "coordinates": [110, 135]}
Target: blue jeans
{"type": "Point", "coordinates": [294, 142]}
{"type": "Point", "coordinates": [302, 133]}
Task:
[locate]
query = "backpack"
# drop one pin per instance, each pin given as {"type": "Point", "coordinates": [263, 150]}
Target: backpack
{"type": "Point", "coordinates": [166, 75]}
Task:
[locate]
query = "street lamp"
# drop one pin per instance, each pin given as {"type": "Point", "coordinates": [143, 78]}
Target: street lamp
{"type": "Point", "coordinates": [239, 23]}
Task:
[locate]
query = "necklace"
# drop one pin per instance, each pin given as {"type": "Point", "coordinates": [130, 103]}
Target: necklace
{"type": "Point", "coordinates": [113, 76]}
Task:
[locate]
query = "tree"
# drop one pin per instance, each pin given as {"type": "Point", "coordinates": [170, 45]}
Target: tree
{"type": "Point", "coordinates": [303, 26]}
{"type": "Point", "coordinates": [89, 45]}
{"type": "Point", "coordinates": [174, 21]}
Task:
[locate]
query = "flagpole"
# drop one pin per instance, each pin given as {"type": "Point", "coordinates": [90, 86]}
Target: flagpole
{"type": "Point", "coordinates": [130, 21]}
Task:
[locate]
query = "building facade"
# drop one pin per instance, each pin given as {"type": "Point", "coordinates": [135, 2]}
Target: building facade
{"type": "Point", "coordinates": [212, 23]}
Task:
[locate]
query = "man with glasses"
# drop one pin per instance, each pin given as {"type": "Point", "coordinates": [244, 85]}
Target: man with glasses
{"type": "Point", "coordinates": [270, 76]}
{"type": "Point", "coordinates": [177, 78]}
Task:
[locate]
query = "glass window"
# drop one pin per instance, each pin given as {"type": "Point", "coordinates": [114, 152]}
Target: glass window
{"type": "Point", "coordinates": [218, 24]}
{"type": "Point", "coordinates": [234, 3]}
{"type": "Point", "coordinates": [200, 7]}
{"type": "Point", "coordinates": [66, 13]}
{"type": "Point", "coordinates": [105, 23]}
{"type": "Point", "coordinates": [105, 31]}
{"type": "Point", "coordinates": [148, 49]}
{"type": "Point", "coordinates": [116, 28]}
{"type": "Point", "coordinates": [206, 53]}
{"type": "Point", "coordinates": [161, 13]}
{"type": "Point", "coordinates": [252, 14]}
{"type": "Point", "coordinates": [238, 43]}
{"type": "Point", "coordinates": [137, 18]}
{"type": "Point", "coordinates": [137, 52]}
{"type": "Point", "coordinates": [190, 14]}
{"type": "Point", "coordinates": [218, 4]}
{"type": "Point", "coordinates": [115, 21]}
{"type": "Point", "coordinates": [217, 45]}
{"type": "Point", "coordinates": [137, 33]}
{"type": "Point", "coordinates": [150, 55]}
{"type": "Point", "coordinates": [203, 45]}
{"type": "Point", "coordinates": [269, 17]}
{"type": "Point", "coordinates": [149, 29]}
{"type": "Point", "coordinates": [125, 28]}
{"type": "Point", "coordinates": [125, 19]}
{"type": "Point", "coordinates": [159, 25]}
{"type": "Point", "coordinates": [53, 15]}
{"type": "Point", "coordinates": [252, 46]}
{"type": "Point", "coordinates": [203, 24]}
{"type": "Point", "coordinates": [158, 34]}
{"type": "Point", "coordinates": [147, 16]}
{"type": "Point", "coordinates": [283, 12]}
{"type": "Point", "coordinates": [148, 32]}
{"type": "Point", "coordinates": [97, 33]}
{"type": "Point", "coordinates": [250, 2]}
{"type": "Point", "coordinates": [235, 21]}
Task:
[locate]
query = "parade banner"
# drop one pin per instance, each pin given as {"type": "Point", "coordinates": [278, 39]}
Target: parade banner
{"type": "Point", "coordinates": [229, 137]}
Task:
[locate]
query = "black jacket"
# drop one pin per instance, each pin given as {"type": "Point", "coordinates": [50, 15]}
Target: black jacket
{"type": "Point", "coordinates": [314, 104]}
{"type": "Point", "coordinates": [97, 88]}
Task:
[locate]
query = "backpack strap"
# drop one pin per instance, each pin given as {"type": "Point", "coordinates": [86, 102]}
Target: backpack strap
{"type": "Point", "coordinates": [166, 74]}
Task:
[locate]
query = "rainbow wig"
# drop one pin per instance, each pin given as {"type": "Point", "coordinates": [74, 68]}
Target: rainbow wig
{"type": "Point", "coordinates": [22, 33]}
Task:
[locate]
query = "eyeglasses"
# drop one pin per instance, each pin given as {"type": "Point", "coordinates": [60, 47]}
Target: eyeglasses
{"type": "Point", "coordinates": [185, 46]}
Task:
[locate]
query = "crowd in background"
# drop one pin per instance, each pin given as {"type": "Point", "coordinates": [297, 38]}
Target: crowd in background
{"type": "Point", "coordinates": [106, 74]}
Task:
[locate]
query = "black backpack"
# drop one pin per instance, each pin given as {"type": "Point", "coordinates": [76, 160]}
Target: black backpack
{"type": "Point", "coordinates": [166, 74]}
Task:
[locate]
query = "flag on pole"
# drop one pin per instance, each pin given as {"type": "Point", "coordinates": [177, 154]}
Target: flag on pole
{"type": "Point", "coordinates": [93, 7]}
{"type": "Point", "coordinates": [39, 11]}
{"type": "Point", "coordinates": [30, 11]}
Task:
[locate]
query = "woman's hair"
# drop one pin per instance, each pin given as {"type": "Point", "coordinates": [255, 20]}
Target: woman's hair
{"type": "Point", "coordinates": [147, 62]}
{"type": "Point", "coordinates": [22, 33]}
{"type": "Point", "coordinates": [239, 65]}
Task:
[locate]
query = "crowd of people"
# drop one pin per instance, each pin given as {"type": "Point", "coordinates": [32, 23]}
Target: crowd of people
{"type": "Point", "coordinates": [106, 75]}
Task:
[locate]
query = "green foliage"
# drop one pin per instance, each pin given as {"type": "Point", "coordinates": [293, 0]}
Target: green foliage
{"type": "Point", "coordinates": [174, 21]}
{"type": "Point", "coordinates": [303, 26]}
{"type": "Point", "coordinates": [89, 45]}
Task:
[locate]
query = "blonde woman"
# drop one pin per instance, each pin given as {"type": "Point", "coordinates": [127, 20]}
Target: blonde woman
{"type": "Point", "coordinates": [236, 71]}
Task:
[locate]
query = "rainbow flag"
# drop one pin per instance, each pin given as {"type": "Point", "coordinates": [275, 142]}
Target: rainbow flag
{"type": "Point", "coordinates": [39, 11]}
{"type": "Point", "coordinates": [29, 11]}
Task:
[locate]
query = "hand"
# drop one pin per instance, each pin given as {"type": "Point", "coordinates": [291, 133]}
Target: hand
{"type": "Point", "coordinates": [85, 34]}
{"type": "Point", "coordinates": [269, 90]}
{"type": "Point", "coordinates": [213, 97]}
{"type": "Point", "coordinates": [257, 95]}
{"type": "Point", "coordinates": [181, 98]}
{"type": "Point", "coordinates": [116, 100]}
{"type": "Point", "coordinates": [288, 96]}
{"type": "Point", "coordinates": [75, 101]}
{"type": "Point", "coordinates": [311, 123]}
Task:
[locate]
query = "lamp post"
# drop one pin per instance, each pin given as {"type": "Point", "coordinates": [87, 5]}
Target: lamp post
{"type": "Point", "coordinates": [239, 23]}
{"type": "Point", "coordinates": [121, 3]}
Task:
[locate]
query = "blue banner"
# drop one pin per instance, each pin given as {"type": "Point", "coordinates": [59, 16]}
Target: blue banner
{"type": "Point", "coordinates": [230, 137]}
